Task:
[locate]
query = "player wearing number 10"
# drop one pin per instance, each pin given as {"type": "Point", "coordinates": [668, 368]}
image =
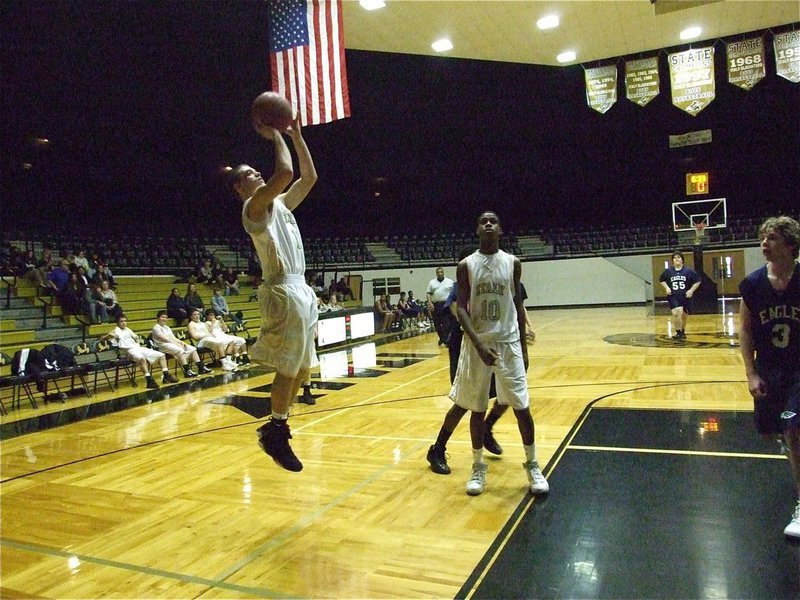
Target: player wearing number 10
{"type": "Point", "coordinates": [491, 313]}
{"type": "Point", "coordinates": [770, 341]}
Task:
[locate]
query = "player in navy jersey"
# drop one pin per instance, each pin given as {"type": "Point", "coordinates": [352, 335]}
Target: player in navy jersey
{"type": "Point", "coordinates": [770, 341]}
{"type": "Point", "coordinates": [680, 284]}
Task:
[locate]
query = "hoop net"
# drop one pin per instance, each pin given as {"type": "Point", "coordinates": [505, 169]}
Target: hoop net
{"type": "Point", "coordinates": [699, 232]}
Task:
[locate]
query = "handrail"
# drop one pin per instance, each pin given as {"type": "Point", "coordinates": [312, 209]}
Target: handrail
{"type": "Point", "coordinates": [84, 326]}
{"type": "Point", "coordinates": [9, 284]}
{"type": "Point", "coordinates": [45, 304]}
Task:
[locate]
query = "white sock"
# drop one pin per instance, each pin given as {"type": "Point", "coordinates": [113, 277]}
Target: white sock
{"type": "Point", "coordinates": [280, 416]}
{"type": "Point", "coordinates": [477, 456]}
{"type": "Point", "coordinates": [530, 452]}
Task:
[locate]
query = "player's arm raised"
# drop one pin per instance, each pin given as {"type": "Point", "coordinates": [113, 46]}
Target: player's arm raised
{"type": "Point", "coordinates": [264, 196]}
{"type": "Point", "coordinates": [308, 172]}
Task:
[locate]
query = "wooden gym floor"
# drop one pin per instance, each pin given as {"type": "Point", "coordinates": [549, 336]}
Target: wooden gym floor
{"type": "Point", "coordinates": [660, 487]}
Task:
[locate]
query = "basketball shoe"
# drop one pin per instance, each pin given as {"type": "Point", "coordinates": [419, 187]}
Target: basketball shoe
{"type": "Point", "coordinates": [273, 437]}
{"type": "Point", "coordinates": [538, 483]}
{"type": "Point", "coordinates": [438, 460]}
{"type": "Point", "coordinates": [477, 482]}
{"type": "Point", "coordinates": [793, 528]}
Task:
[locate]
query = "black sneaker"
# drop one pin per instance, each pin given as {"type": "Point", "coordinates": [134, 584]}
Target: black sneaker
{"type": "Point", "coordinates": [490, 443]}
{"type": "Point", "coordinates": [189, 373]}
{"type": "Point", "coordinates": [202, 369]}
{"type": "Point", "coordinates": [307, 398]}
{"type": "Point", "coordinates": [168, 378]}
{"type": "Point", "coordinates": [245, 359]}
{"type": "Point", "coordinates": [438, 460]}
{"type": "Point", "coordinates": [151, 384]}
{"type": "Point", "coordinates": [274, 440]}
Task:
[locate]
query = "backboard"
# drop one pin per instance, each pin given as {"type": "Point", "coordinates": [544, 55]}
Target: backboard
{"type": "Point", "coordinates": [687, 215]}
{"type": "Point", "coordinates": [691, 219]}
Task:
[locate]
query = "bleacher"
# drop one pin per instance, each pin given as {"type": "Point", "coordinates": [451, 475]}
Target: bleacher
{"type": "Point", "coordinates": [30, 318]}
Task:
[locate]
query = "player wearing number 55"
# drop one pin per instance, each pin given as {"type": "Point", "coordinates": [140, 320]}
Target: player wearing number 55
{"type": "Point", "coordinates": [770, 341]}
{"type": "Point", "coordinates": [680, 282]}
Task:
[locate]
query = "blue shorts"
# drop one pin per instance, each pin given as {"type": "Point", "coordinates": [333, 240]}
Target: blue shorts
{"type": "Point", "coordinates": [679, 300]}
{"type": "Point", "coordinates": [778, 410]}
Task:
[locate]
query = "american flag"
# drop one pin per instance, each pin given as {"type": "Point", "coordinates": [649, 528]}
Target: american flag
{"type": "Point", "coordinates": [306, 44]}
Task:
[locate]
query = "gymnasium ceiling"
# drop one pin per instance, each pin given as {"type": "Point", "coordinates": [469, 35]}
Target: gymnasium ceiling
{"type": "Point", "coordinates": [505, 30]}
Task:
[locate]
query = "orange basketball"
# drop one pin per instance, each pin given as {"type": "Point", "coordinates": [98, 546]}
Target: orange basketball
{"type": "Point", "coordinates": [272, 109]}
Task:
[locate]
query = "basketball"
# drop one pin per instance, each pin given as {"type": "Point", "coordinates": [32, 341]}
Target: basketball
{"type": "Point", "coordinates": [272, 109]}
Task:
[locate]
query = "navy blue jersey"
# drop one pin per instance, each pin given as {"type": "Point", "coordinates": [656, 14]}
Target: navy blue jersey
{"type": "Point", "coordinates": [679, 281]}
{"type": "Point", "coordinates": [776, 319]}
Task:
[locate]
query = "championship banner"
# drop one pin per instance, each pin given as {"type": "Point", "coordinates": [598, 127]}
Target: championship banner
{"type": "Point", "coordinates": [601, 87]}
{"type": "Point", "coordinates": [746, 63]}
{"type": "Point", "coordinates": [693, 138]}
{"type": "Point", "coordinates": [787, 55]}
{"type": "Point", "coordinates": [692, 78]}
{"type": "Point", "coordinates": [641, 80]}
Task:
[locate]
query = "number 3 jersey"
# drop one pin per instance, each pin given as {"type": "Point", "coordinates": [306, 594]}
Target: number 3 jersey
{"type": "Point", "coordinates": [776, 318]}
{"type": "Point", "coordinates": [491, 301]}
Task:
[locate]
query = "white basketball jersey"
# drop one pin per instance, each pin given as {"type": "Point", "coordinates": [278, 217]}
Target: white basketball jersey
{"type": "Point", "coordinates": [277, 241]}
{"type": "Point", "coordinates": [491, 301]}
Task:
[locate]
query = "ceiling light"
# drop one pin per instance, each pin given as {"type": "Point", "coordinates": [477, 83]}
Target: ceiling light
{"type": "Point", "coordinates": [566, 57]}
{"type": "Point", "coordinates": [372, 4]}
{"type": "Point", "coordinates": [691, 33]}
{"type": "Point", "coordinates": [547, 22]}
{"type": "Point", "coordinates": [442, 45]}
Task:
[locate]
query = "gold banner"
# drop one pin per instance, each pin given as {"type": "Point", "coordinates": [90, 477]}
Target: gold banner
{"type": "Point", "coordinates": [641, 80]}
{"type": "Point", "coordinates": [601, 87]}
{"type": "Point", "coordinates": [692, 78]}
{"type": "Point", "coordinates": [787, 55]}
{"type": "Point", "coordinates": [746, 62]}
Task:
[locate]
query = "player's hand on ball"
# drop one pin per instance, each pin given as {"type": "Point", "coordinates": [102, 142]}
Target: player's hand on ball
{"type": "Point", "coordinates": [294, 128]}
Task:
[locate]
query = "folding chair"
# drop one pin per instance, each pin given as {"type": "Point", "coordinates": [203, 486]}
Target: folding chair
{"type": "Point", "coordinates": [86, 357]}
{"type": "Point", "coordinates": [17, 383]}
{"type": "Point", "coordinates": [110, 355]}
{"type": "Point", "coordinates": [202, 353]}
{"type": "Point", "coordinates": [43, 377]}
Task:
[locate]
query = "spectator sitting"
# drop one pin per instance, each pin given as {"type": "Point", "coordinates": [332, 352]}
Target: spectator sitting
{"type": "Point", "coordinates": [217, 270]}
{"type": "Point", "coordinates": [322, 302]}
{"type": "Point", "coordinates": [176, 307]}
{"type": "Point", "coordinates": [58, 278]}
{"type": "Point", "coordinates": [231, 282]}
{"type": "Point", "coordinates": [220, 307]}
{"type": "Point", "coordinates": [384, 314]}
{"type": "Point", "coordinates": [398, 314]}
{"type": "Point", "coordinates": [110, 300]}
{"type": "Point", "coordinates": [165, 341]}
{"type": "Point", "coordinates": [333, 303]}
{"type": "Point", "coordinates": [71, 297]}
{"type": "Point", "coordinates": [344, 289]}
{"type": "Point", "coordinates": [94, 304]}
{"type": "Point", "coordinates": [81, 260]}
{"type": "Point", "coordinates": [213, 334]}
{"type": "Point", "coordinates": [83, 279]}
{"type": "Point", "coordinates": [28, 270]}
{"type": "Point", "coordinates": [219, 284]}
{"type": "Point", "coordinates": [193, 299]}
{"type": "Point", "coordinates": [204, 274]}
{"type": "Point", "coordinates": [129, 344]}
{"type": "Point", "coordinates": [102, 274]}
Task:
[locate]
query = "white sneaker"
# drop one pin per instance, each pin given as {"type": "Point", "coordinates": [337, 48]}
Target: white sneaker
{"type": "Point", "coordinates": [477, 482]}
{"type": "Point", "coordinates": [228, 364]}
{"type": "Point", "coordinates": [793, 528]}
{"type": "Point", "coordinates": [539, 484]}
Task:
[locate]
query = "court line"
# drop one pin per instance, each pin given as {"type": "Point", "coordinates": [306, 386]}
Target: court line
{"type": "Point", "coordinates": [39, 549]}
{"type": "Point", "coordinates": [677, 452]}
